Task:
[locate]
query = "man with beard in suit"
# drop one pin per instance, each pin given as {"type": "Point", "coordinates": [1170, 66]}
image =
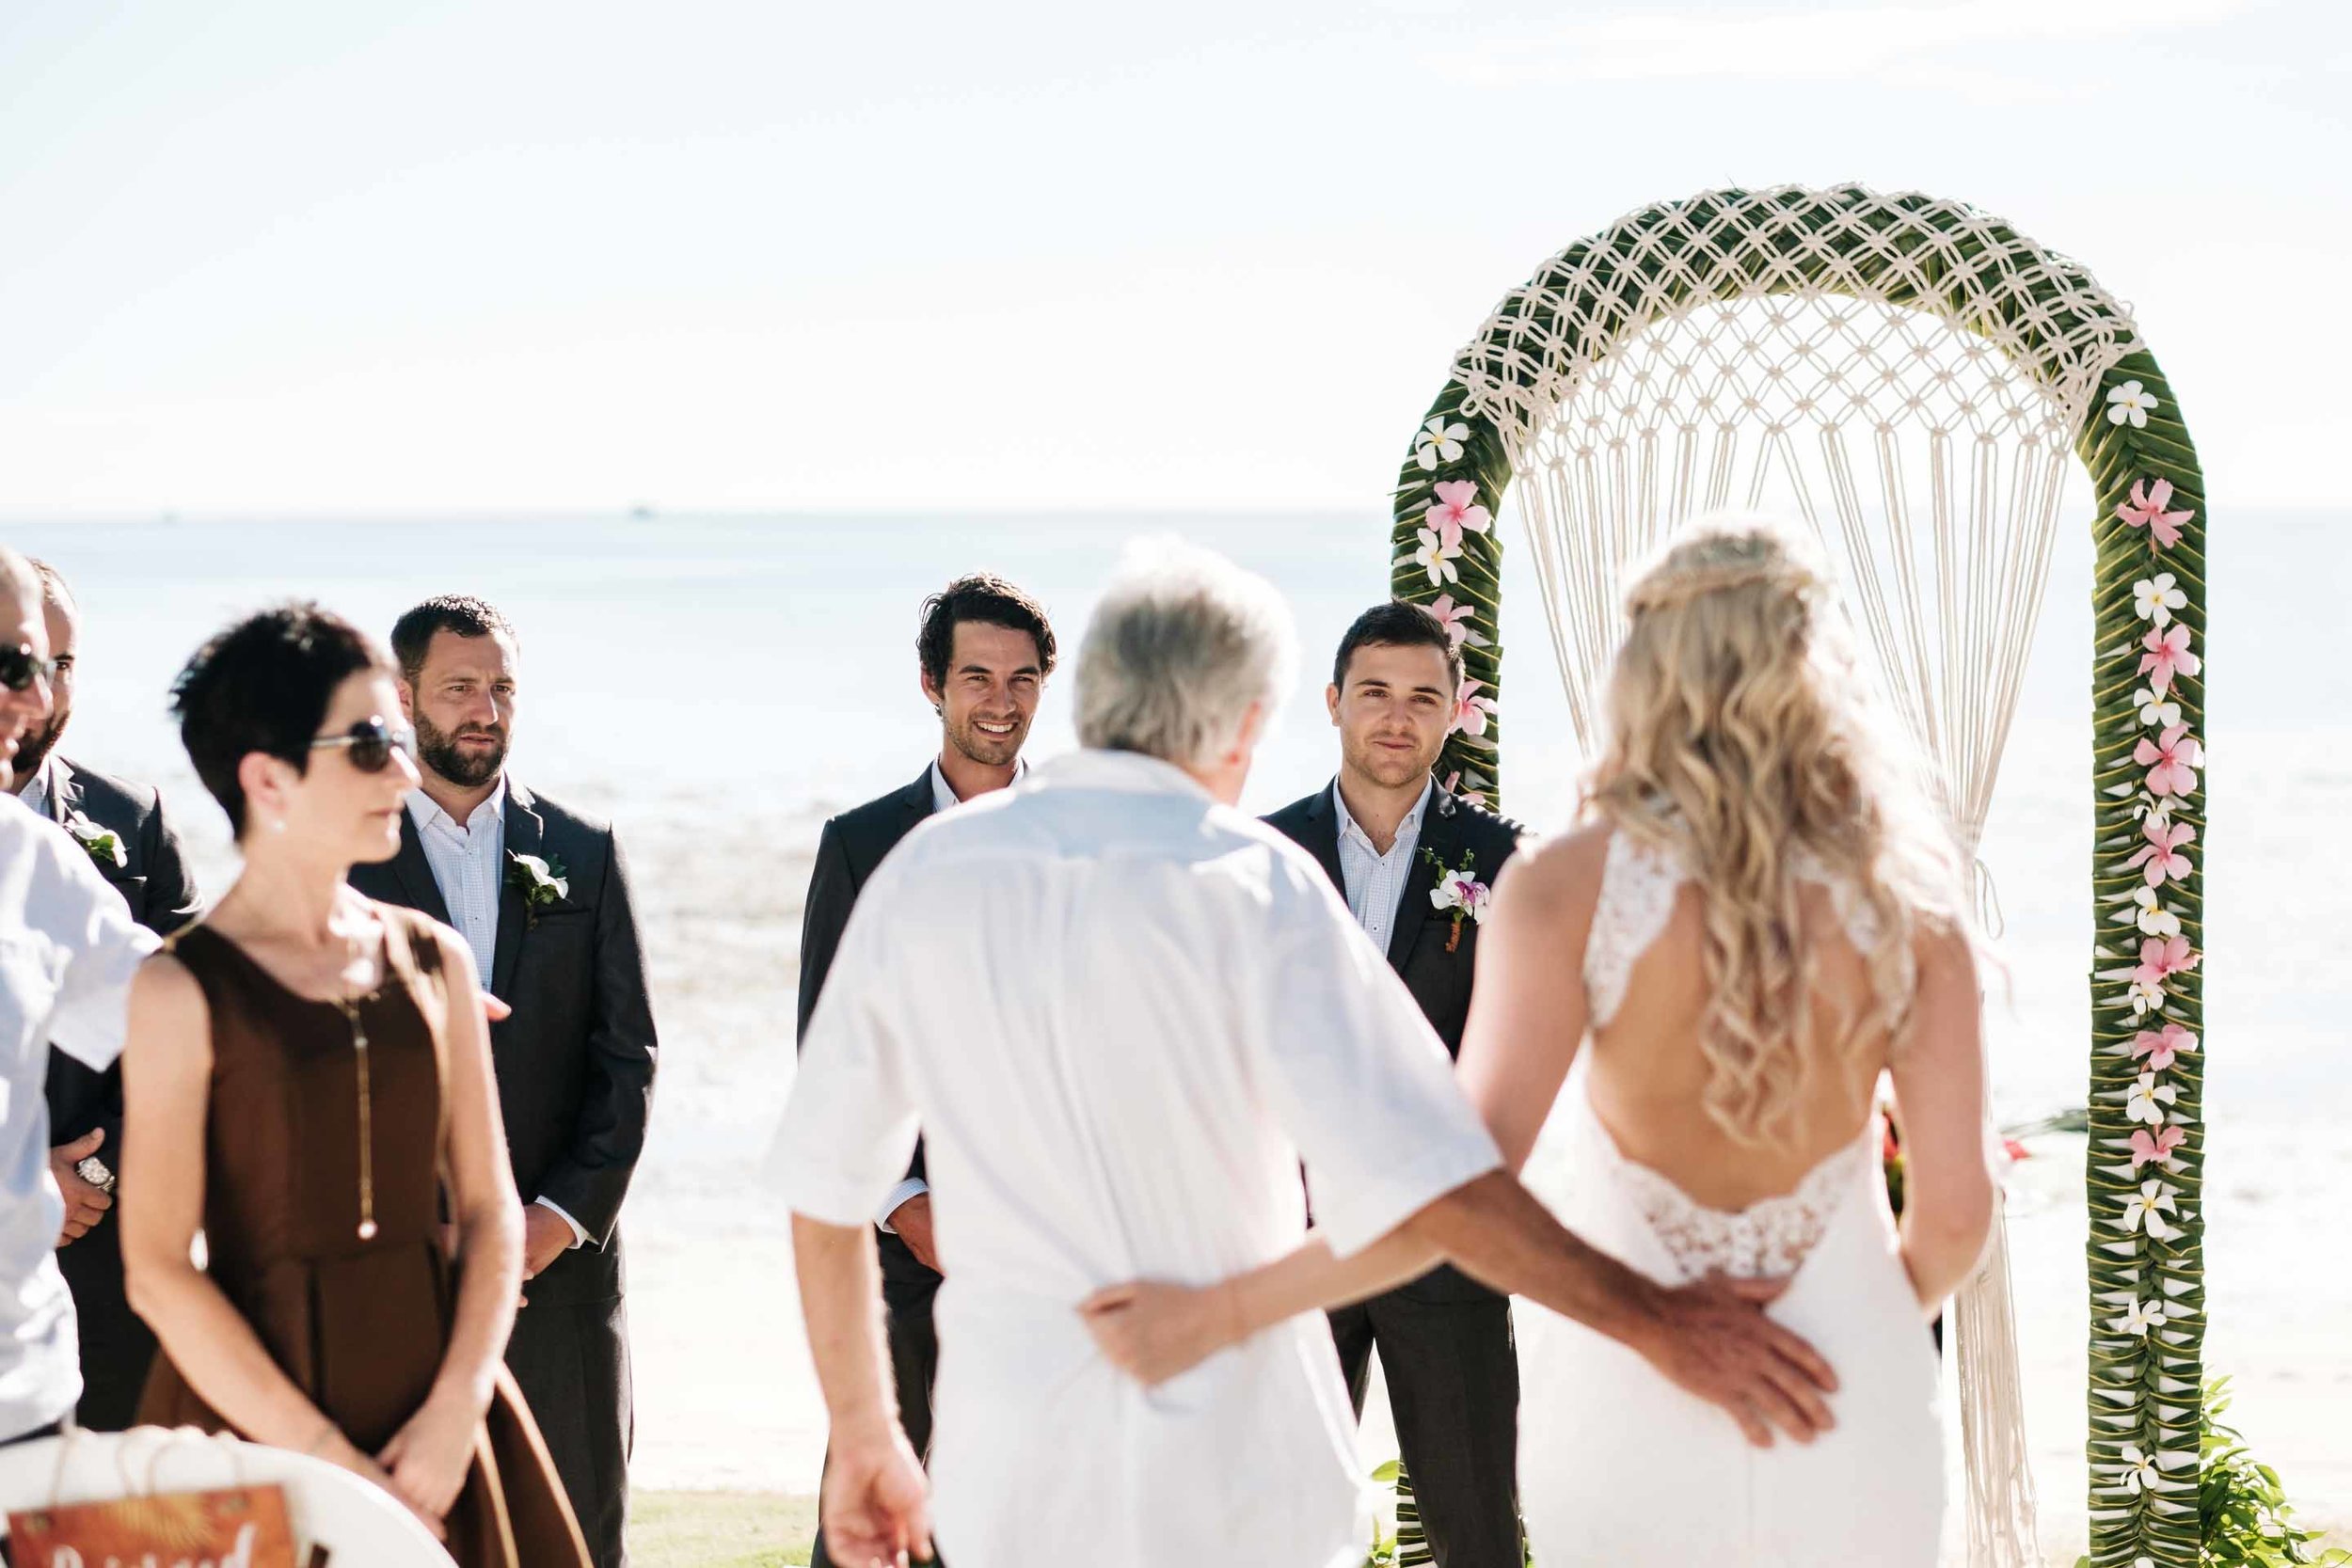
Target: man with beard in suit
{"type": "Point", "coordinates": [540, 892]}
{"type": "Point", "coordinates": [1385, 832]}
{"type": "Point", "coordinates": [984, 653]}
{"type": "Point", "coordinates": [122, 827]}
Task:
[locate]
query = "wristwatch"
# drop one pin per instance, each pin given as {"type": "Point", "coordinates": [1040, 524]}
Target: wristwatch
{"type": "Point", "coordinates": [93, 1170]}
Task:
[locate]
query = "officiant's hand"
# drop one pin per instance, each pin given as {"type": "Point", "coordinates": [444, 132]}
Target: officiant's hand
{"type": "Point", "coordinates": [876, 1508]}
{"type": "Point", "coordinates": [547, 1236]}
{"type": "Point", "coordinates": [1152, 1331]}
{"type": "Point", "coordinates": [84, 1204]}
{"type": "Point", "coordinates": [912, 1220]}
{"type": "Point", "coordinates": [1713, 1338]}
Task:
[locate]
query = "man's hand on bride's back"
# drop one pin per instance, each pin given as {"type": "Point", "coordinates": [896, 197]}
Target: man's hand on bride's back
{"type": "Point", "coordinates": [1715, 1342]}
{"type": "Point", "coordinates": [1153, 1332]}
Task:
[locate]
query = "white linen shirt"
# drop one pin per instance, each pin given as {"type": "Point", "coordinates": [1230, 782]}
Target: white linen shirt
{"type": "Point", "coordinates": [1122, 1013]}
{"type": "Point", "coordinates": [68, 950]}
{"type": "Point", "coordinates": [1375, 881]}
{"type": "Point", "coordinates": [466, 860]}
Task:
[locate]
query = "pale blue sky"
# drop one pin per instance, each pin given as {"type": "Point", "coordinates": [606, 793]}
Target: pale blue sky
{"type": "Point", "coordinates": [277, 255]}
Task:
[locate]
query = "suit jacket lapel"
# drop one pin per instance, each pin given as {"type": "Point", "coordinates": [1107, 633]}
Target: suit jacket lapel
{"type": "Point", "coordinates": [1441, 837]}
{"type": "Point", "coordinates": [524, 832]}
{"type": "Point", "coordinates": [65, 793]}
{"type": "Point", "coordinates": [1322, 838]}
{"type": "Point", "coordinates": [414, 873]}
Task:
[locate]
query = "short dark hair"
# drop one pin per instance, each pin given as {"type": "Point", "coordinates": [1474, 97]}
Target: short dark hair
{"type": "Point", "coordinates": [462, 613]}
{"type": "Point", "coordinates": [1397, 624]}
{"type": "Point", "coordinates": [264, 685]}
{"type": "Point", "coordinates": [990, 601]}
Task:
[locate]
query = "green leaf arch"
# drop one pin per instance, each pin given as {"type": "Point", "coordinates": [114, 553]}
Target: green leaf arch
{"type": "Point", "coordinates": [1978, 274]}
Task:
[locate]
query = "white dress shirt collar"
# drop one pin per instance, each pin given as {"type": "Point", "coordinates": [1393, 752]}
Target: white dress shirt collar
{"type": "Point", "coordinates": [423, 810]}
{"type": "Point", "coordinates": [943, 795]}
{"type": "Point", "coordinates": [1407, 830]}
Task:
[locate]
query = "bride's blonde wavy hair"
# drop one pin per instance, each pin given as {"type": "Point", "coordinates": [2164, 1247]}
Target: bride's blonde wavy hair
{"type": "Point", "coordinates": [1743, 738]}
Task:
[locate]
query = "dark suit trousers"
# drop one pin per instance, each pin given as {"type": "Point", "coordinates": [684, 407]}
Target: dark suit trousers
{"type": "Point", "coordinates": [116, 1345]}
{"type": "Point", "coordinates": [914, 1369]}
{"type": "Point", "coordinates": [1454, 1387]}
{"type": "Point", "coordinates": [571, 1361]}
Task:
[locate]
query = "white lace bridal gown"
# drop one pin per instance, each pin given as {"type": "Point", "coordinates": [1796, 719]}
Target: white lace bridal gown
{"type": "Point", "coordinates": [1617, 1465]}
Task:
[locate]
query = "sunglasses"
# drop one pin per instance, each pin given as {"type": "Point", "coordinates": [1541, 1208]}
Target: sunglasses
{"type": "Point", "coordinates": [370, 744]}
{"type": "Point", "coordinates": [19, 669]}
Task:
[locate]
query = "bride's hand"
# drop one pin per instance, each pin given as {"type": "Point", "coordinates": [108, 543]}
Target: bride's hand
{"type": "Point", "coordinates": [1153, 1332]}
{"type": "Point", "coordinates": [1719, 1345]}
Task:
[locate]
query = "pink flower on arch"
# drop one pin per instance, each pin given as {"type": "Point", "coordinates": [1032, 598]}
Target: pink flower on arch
{"type": "Point", "coordinates": [1471, 711]}
{"type": "Point", "coordinates": [2155, 1147]}
{"type": "Point", "coordinates": [2168, 656]}
{"type": "Point", "coordinates": [1453, 787]}
{"type": "Point", "coordinates": [2161, 958]}
{"type": "Point", "coordinates": [1454, 617]}
{"type": "Point", "coordinates": [1456, 507]}
{"type": "Point", "coordinates": [2161, 1045]}
{"type": "Point", "coordinates": [2146, 509]}
{"type": "Point", "coordinates": [2161, 855]}
{"type": "Point", "coordinates": [2171, 760]}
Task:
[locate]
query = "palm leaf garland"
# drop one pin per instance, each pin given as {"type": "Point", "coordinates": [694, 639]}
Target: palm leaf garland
{"type": "Point", "coordinates": [2146, 1102]}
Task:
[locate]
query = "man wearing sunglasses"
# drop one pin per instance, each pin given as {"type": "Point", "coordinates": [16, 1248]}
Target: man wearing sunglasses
{"type": "Point", "coordinates": [540, 892]}
{"type": "Point", "coordinates": [122, 827]}
{"type": "Point", "coordinates": [67, 951]}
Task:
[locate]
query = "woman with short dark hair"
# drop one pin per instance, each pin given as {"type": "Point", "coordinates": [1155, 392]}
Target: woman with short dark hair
{"type": "Point", "coordinates": [309, 1077]}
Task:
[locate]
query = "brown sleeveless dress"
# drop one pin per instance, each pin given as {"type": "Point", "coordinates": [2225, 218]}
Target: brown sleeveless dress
{"type": "Point", "coordinates": [358, 1325]}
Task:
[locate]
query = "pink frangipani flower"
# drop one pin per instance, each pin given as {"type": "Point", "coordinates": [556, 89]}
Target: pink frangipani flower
{"type": "Point", "coordinates": [1453, 787]}
{"type": "Point", "coordinates": [2161, 855]}
{"type": "Point", "coordinates": [2168, 656]}
{"type": "Point", "coordinates": [1457, 506]}
{"type": "Point", "coordinates": [2161, 958]}
{"type": "Point", "coordinates": [1470, 710]}
{"type": "Point", "coordinates": [2155, 1147]}
{"type": "Point", "coordinates": [2161, 1045]}
{"type": "Point", "coordinates": [1454, 617]}
{"type": "Point", "coordinates": [2171, 760]}
{"type": "Point", "coordinates": [2146, 509]}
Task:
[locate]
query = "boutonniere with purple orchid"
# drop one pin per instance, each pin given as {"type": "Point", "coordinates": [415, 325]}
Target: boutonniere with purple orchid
{"type": "Point", "coordinates": [540, 881]}
{"type": "Point", "coordinates": [1460, 889]}
{"type": "Point", "coordinates": [103, 844]}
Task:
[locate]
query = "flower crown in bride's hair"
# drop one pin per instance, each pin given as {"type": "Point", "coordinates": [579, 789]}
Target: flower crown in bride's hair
{"type": "Point", "coordinates": [1718, 555]}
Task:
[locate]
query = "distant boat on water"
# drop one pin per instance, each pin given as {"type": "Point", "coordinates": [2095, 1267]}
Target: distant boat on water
{"type": "Point", "coordinates": [642, 513]}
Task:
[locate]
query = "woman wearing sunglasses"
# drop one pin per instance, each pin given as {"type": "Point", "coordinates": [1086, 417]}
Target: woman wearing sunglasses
{"type": "Point", "coordinates": [308, 1080]}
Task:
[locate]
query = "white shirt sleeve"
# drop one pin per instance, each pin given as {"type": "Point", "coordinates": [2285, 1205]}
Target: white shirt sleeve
{"type": "Point", "coordinates": [579, 1232]}
{"type": "Point", "coordinates": [849, 1127]}
{"type": "Point", "coordinates": [912, 1187]}
{"type": "Point", "coordinates": [1358, 1078]}
{"type": "Point", "coordinates": [103, 947]}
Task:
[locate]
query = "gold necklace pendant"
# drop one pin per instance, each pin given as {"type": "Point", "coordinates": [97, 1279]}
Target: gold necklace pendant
{"type": "Point", "coordinates": [367, 1123]}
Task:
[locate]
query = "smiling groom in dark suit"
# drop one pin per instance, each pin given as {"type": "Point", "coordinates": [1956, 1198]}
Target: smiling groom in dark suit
{"type": "Point", "coordinates": [1386, 834]}
{"type": "Point", "coordinates": [540, 892]}
{"type": "Point", "coordinates": [984, 652]}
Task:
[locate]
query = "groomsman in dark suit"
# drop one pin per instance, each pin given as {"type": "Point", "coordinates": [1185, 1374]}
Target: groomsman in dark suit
{"type": "Point", "coordinates": [984, 653]}
{"type": "Point", "coordinates": [1386, 833]}
{"type": "Point", "coordinates": [540, 892]}
{"type": "Point", "coordinates": [122, 826]}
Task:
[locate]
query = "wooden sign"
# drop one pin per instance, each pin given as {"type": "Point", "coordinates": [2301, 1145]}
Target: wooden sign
{"type": "Point", "coordinates": [245, 1527]}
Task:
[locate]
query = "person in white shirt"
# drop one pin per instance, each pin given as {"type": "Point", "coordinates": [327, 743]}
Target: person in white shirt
{"type": "Point", "coordinates": [1123, 1013]}
{"type": "Point", "coordinates": [67, 951]}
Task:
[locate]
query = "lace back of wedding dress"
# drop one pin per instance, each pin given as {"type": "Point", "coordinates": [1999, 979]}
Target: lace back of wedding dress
{"type": "Point", "coordinates": [1768, 1239]}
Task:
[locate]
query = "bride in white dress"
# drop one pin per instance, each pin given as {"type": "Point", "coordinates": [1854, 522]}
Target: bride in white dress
{"type": "Point", "coordinates": [1767, 922]}
{"type": "Point", "coordinates": [1757, 921]}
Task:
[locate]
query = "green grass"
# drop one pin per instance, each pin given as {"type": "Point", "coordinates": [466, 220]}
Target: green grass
{"type": "Point", "coordinates": [720, 1529]}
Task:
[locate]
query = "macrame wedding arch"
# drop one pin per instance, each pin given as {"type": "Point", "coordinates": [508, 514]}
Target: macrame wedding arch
{"type": "Point", "coordinates": [1908, 374]}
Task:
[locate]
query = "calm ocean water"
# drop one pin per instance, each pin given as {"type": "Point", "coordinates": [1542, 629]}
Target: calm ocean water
{"type": "Point", "coordinates": [762, 667]}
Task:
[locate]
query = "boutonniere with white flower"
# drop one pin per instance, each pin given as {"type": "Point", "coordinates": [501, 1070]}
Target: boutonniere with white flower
{"type": "Point", "coordinates": [103, 844]}
{"type": "Point", "coordinates": [541, 882]}
{"type": "Point", "coordinates": [1460, 889]}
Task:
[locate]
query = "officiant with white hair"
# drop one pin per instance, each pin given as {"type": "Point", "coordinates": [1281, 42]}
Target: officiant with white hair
{"type": "Point", "coordinates": [1123, 1013]}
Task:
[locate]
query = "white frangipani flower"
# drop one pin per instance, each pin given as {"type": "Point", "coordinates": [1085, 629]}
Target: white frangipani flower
{"type": "Point", "coordinates": [2147, 1100]}
{"type": "Point", "coordinates": [2151, 916]}
{"type": "Point", "coordinates": [2155, 598]}
{"type": "Point", "coordinates": [2139, 1471]}
{"type": "Point", "coordinates": [2140, 1318]}
{"type": "Point", "coordinates": [1440, 442]}
{"type": "Point", "coordinates": [2147, 1207]}
{"type": "Point", "coordinates": [2131, 403]}
{"type": "Point", "coordinates": [2155, 711]}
